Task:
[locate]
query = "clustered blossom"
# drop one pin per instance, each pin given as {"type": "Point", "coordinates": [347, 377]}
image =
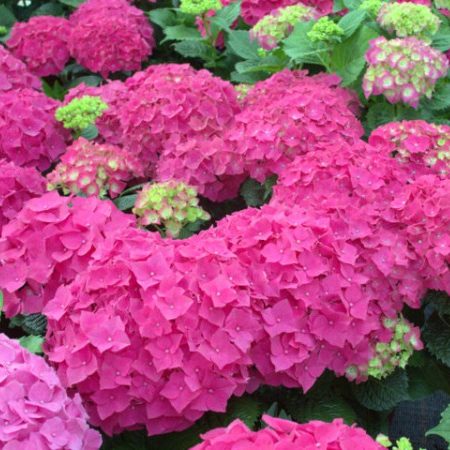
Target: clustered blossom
{"type": "Point", "coordinates": [170, 103]}
{"type": "Point", "coordinates": [408, 19]}
{"type": "Point", "coordinates": [198, 7]}
{"type": "Point", "coordinates": [172, 205]}
{"type": "Point", "coordinates": [108, 36]}
{"type": "Point", "coordinates": [254, 10]}
{"type": "Point", "coordinates": [416, 142]}
{"type": "Point", "coordinates": [277, 25]}
{"type": "Point", "coordinates": [94, 169]}
{"type": "Point", "coordinates": [325, 30]}
{"type": "Point", "coordinates": [29, 132]}
{"type": "Point", "coordinates": [372, 7]}
{"type": "Point", "coordinates": [35, 410]}
{"type": "Point", "coordinates": [273, 128]}
{"type": "Point", "coordinates": [41, 43]}
{"type": "Point", "coordinates": [79, 113]}
{"type": "Point", "coordinates": [287, 435]}
{"type": "Point", "coordinates": [403, 70]}
{"type": "Point", "coordinates": [48, 243]}
{"type": "Point", "coordinates": [14, 74]}
{"type": "Point", "coordinates": [394, 349]}
{"type": "Point", "coordinates": [17, 185]}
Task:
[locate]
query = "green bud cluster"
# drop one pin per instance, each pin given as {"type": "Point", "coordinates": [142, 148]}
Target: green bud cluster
{"type": "Point", "coordinates": [409, 19]}
{"type": "Point", "coordinates": [274, 27]}
{"type": "Point", "coordinates": [3, 30]}
{"type": "Point", "coordinates": [81, 112]}
{"type": "Point", "coordinates": [242, 90]}
{"type": "Point", "coordinates": [198, 7]}
{"type": "Point", "coordinates": [325, 30]}
{"type": "Point", "coordinates": [372, 7]}
{"type": "Point", "coordinates": [170, 204]}
{"type": "Point", "coordinates": [401, 444]}
{"type": "Point", "coordinates": [390, 355]}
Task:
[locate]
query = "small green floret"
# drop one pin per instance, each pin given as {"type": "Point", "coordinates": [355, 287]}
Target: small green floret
{"type": "Point", "coordinates": [81, 112]}
{"type": "Point", "coordinates": [198, 7]}
{"type": "Point", "coordinates": [3, 30]}
{"type": "Point", "coordinates": [401, 444]}
{"type": "Point", "coordinates": [372, 7]}
{"type": "Point", "coordinates": [409, 19]}
{"type": "Point", "coordinates": [325, 30]}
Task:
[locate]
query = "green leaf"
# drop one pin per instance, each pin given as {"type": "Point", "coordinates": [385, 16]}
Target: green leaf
{"type": "Point", "coordinates": [49, 9]}
{"type": "Point", "coordinates": [246, 408]}
{"type": "Point", "coordinates": [90, 132]}
{"type": "Point", "coordinates": [379, 114]}
{"type": "Point", "coordinates": [180, 33]}
{"type": "Point", "coordinates": [252, 192]}
{"type": "Point", "coordinates": [194, 49]}
{"type": "Point", "coordinates": [441, 40]}
{"type": "Point", "coordinates": [338, 5]}
{"type": "Point", "coordinates": [248, 78]}
{"type": "Point", "coordinates": [7, 18]}
{"type": "Point", "coordinates": [56, 91]}
{"type": "Point", "coordinates": [382, 395]}
{"type": "Point", "coordinates": [300, 48]}
{"type": "Point", "coordinates": [436, 335]}
{"type": "Point", "coordinates": [1, 303]}
{"type": "Point", "coordinates": [347, 58]}
{"type": "Point", "coordinates": [441, 97]}
{"type": "Point", "coordinates": [352, 4]}
{"type": "Point", "coordinates": [443, 429]}
{"type": "Point", "coordinates": [225, 17]}
{"type": "Point", "coordinates": [90, 80]}
{"type": "Point", "coordinates": [73, 3]}
{"type": "Point", "coordinates": [240, 43]}
{"type": "Point", "coordinates": [351, 22]}
{"type": "Point", "coordinates": [440, 301]}
{"type": "Point", "coordinates": [126, 202]}
{"type": "Point", "coordinates": [163, 17]}
{"type": "Point", "coordinates": [32, 343]}
{"type": "Point", "coordinates": [129, 440]}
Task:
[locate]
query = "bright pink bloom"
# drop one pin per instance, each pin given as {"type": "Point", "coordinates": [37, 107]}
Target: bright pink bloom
{"type": "Point", "coordinates": [41, 43]}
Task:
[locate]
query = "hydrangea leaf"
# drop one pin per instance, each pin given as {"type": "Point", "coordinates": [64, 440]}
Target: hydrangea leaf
{"type": "Point", "coordinates": [351, 21]}
{"type": "Point", "coordinates": [129, 440]}
{"type": "Point", "coordinates": [125, 202]}
{"type": "Point", "coordinates": [245, 408]}
{"type": "Point", "coordinates": [436, 335]}
{"type": "Point", "coordinates": [239, 41]}
{"type": "Point", "coordinates": [7, 18]}
{"type": "Point", "coordinates": [441, 40]}
{"type": "Point", "coordinates": [299, 47]}
{"type": "Point", "coordinates": [443, 428]}
{"type": "Point", "coordinates": [73, 3]}
{"type": "Point", "coordinates": [49, 9]}
{"type": "Point", "coordinates": [32, 343]}
{"type": "Point", "coordinates": [252, 192]}
{"type": "Point", "coordinates": [440, 301]}
{"type": "Point", "coordinates": [1, 303]}
{"type": "Point", "coordinates": [90, 132]}
{"type": "Point", "coordinates": [193, 49]}
{"type": "Point", "coordinates": [225, 17]}
{"type": "Point", "coordinates": [163, 17]}
{"type": "Point", "coordinates": [382, 395]}
{"type": "Point", "coordinates": [441, 96]}
{"type": "Point", "coordinates": [181, 33]}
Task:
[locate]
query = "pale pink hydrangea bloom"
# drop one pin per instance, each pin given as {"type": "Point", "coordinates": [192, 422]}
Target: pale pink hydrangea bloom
{"type": "Point", "coordinates": [35, 410]}
{"type": "Point", "coordinates": [41, 43]}
{"type": "Point", "coordinates": [108, 36]}
{"type": "Point", "coordinates": [17, 185]}
{"type": "Point", "coordinates": [14, 74]}
{"type": "Point", "coordinates": [287, 435]}
{"type": "Point", "coordinates": [29, 132]}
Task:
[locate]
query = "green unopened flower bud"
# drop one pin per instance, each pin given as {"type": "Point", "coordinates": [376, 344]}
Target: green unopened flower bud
{"type": "Point", "coordinates": [3, 31]}
{"type": "Point", "coordinates": [403, 444]}
{"type": "Point", "coordinates": [81, 112]}
{"type": "Point", "coordinates": [372, 7]}
{"type": "Point", "coordinates": [198, 7]}
{"type": "Point", "coordinates": [325, 30]}
{"type": "Point", "coordinates": [383, 440]}
{"type": "Point", "coordinates": [409, 19]}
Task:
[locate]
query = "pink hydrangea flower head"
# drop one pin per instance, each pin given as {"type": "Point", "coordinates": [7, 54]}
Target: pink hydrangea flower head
{"type": "Point", "coordinates": [277, 25]}
{"type": "Point", "coordinates": [170, 103]}
{"type": "Point", "coordinates": [419, 144]}
{"type": "Point", "coordinates": [17, 185]}
{"type": "Point", "coordinates": [94, 169]}
{"type": "Point", "coordinates": [29, 132]}
{"type": "Point", "coordinates": [172, 204]}
{"type": "Point", "coordinates": [273, 128]}
{"type": "Point", "coordinates": [41, 43]}
{"type": "Point", "coordinates": [35, 410]}
{"type": "Point", "coordinates": [254, 10]}
{"type": "Point", "coordinates": [113, 93]}
{"type": "Point", "coordinates": [14, 74]}
{"type": "Point", "coordinates": [285, 434]}
{"type": "Point", "coordinates": [48, 243]}
{"type": "Point", "coordinates": [403, 70]}
{"type": "Point", "coordinates": [110, 36]}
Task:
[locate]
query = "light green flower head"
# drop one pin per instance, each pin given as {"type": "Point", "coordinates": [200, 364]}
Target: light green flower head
{"type": "Point", "coordinates": [372, 7]}
{"type": "Point", "coordinates": [274, 27]}
{"type": "Point", "coordinates": [408, 19]}
{"type": "Point", "coordinates": [198, 7]}
{"type": "Point", "coordinates": [325, 30]}
{"type": "Point", "coordinates": [81, 112]}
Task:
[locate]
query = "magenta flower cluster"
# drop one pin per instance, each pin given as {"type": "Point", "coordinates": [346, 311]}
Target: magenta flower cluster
{"type": "Point", "coordinates": [29, 133]}
{"type": "Point", "coordinates": [110, 35]}
{"type": "Point", "coordinates": [94, 169]}
{"type": "Point", "coordinates": [14, 74]}
{"type": "Point", "coordinates": [283, 434]}
{"type": "Point", "coordinates": [35, 410]}
{"type": "Point", "coordinates": [403, 70]}
{"type": "Point", "coordinates": [48, 243]}
{"type": "Point", "coordinates": [41, 43]}
{"type": "Point", "coordinates": [418, 143]}
{"type": "Point", "coordinates": [17, 185]}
